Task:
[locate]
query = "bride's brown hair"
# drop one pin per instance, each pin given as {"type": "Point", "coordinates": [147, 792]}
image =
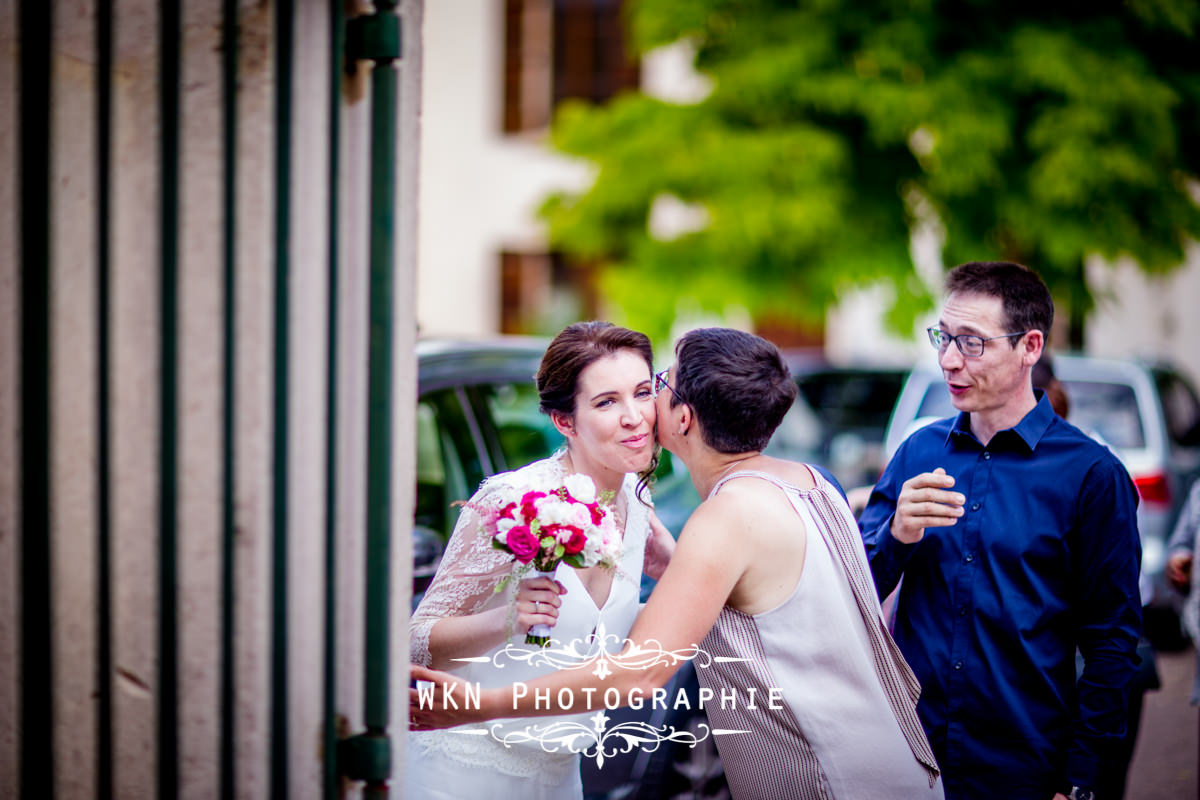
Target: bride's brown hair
{"type": "Point", "coordinates": [572, 351]}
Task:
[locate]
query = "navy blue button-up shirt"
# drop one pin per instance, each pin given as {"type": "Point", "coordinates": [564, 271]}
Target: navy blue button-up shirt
{"type": "Point", "coordinates": [1045, 559]}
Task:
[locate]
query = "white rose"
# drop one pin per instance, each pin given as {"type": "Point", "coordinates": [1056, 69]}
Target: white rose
{"type": "Point", "coordinates": [581, 487]}
{"type": "Point", "coordinates": [592, 550]}
{"type": "Point", "coordinates": [610, 552]}
{"type": "Point", "coordinates": [553, 511]}
{"type": "Point", "coordinates": [579, 516]}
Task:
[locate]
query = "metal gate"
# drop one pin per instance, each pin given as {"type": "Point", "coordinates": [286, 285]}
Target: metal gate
{"type": "Point", "coordinates": [207, 384]}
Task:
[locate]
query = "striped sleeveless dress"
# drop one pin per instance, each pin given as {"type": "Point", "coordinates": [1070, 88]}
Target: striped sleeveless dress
{"type": "Point", "coordinates": [848, 727]}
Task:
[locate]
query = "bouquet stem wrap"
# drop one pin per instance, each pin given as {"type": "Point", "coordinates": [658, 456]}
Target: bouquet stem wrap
{"type": "Point", "coordinates": [539, 634]}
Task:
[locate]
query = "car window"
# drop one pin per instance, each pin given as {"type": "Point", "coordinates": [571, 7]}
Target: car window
{"type": "Point", "coordinates": [852, 398]}
{"type": "Point", "coordinates": [448, 463]}
{"type": "Point", "coordinates": [1180, 408]}
{"type": "Point", "coordinates": [1107, 409]}
{"type": "Point", "coordinates": [522, 433]}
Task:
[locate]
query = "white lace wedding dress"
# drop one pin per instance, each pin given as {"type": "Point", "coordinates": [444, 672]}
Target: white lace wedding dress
{"type": "Point", "coordinates": [452, 764]}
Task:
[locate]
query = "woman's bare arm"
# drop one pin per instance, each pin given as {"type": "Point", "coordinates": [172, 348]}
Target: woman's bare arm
{"type": "Point", "coordinates": [469, 635]}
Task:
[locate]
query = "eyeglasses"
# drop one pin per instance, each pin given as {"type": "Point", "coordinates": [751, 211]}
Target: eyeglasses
{"type": "Point", "coordinates": [660, 380]}
{"type": "Point", "coordinates": [969, 345]}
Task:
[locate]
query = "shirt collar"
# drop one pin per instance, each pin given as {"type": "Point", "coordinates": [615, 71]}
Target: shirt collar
{"type": "Point", "coordinates": [1029, 431]}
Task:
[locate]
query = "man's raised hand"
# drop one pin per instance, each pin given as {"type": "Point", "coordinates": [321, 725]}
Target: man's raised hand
{"type": "Point", "coordinates": [926, 502]}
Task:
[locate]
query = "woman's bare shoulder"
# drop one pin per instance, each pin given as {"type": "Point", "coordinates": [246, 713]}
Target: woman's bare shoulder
{"type": "Point", "coordinates": [790, 472]}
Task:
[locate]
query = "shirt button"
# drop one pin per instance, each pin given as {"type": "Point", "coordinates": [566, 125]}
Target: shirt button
{"type": "Point", "coordinates": [974, 506]}
{"type": "Point", "coordinates": [987, 456]}
{"type": "Point", "coordinates": [962, 611]}
{"type": "Point", "coordinates": [958, 665]}
{"type": "Point", "coordinates": [969, 557]}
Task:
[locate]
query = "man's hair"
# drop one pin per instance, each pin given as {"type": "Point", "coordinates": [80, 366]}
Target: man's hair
{"type": "Point", "coordinates": [1024, 296]}
{"type": "Point", "coordinates": [736, 383]}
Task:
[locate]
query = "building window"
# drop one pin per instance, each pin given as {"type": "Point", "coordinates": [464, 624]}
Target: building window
{"type": "Point", "coordinates": [560, 49]}
{"type": "Point", "coordinates": [540, 293]}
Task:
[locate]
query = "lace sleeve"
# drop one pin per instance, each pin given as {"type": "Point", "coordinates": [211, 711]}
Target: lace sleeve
{"type": "Point", "coordinates": [465, 582]}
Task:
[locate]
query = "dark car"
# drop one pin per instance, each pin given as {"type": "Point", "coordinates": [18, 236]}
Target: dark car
{"type": "Point", "coordinates": [852, 404]}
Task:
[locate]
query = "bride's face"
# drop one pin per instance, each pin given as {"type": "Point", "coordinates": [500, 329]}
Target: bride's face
{"type": "Point", "coordinates": [612, 429]}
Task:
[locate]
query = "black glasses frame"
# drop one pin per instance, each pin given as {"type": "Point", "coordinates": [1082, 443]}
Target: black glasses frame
{"type": "Point", "coordinates": [660, 380]}
{"type": "Point", "coordinates": [964, 341]}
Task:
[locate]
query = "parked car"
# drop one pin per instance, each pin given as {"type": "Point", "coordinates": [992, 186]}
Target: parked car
{"type": "Point", "coordinates": [477, 415]}
{"type": "Point", "coordinates": [852, 405]}
{"type": "Point", "coordinates": [1146, 412]}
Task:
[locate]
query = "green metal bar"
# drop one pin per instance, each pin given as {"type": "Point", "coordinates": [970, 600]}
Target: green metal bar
{"type": "Point", "coordinates": [379, 420]}
{"type": "Point", "coordinates": [379, 408]}
{"type": "Point", "coordinates": [284, 14]}
{"type": "Point", "coordinates": [229, 77]}
{"type": "Point", "coordinates": [33, 164]}
{"type": "Point", "coordinates": [168, 618]}
{"type": "Point", "coordinates": [104, 659]}
{"type": "Point", "coordinates": [330, 732]}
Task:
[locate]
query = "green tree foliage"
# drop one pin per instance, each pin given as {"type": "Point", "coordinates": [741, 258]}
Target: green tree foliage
{"type": "Point", "coordinates": [1041, 132]}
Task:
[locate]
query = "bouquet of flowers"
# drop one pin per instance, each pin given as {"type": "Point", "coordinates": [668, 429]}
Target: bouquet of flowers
{"type": "Point", "coordinates": [543, 528]}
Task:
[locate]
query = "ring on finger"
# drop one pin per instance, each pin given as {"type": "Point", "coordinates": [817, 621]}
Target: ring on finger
{"type": "Point", "coordinates": [537, 606]}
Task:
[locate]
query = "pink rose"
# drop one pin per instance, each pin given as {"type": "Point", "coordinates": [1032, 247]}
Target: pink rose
{"type": "Point", "coordinates": [522, 543]}
{"type": "Point", "coordinates": [597, 512]}
{"type": "Point", "coordinates": [529, 505]}
{"type": "Point", "coordinates": [576, 542]}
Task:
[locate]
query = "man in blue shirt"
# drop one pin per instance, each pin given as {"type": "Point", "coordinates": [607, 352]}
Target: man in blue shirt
{"type": "Point", "coordinates": [1016, 537]}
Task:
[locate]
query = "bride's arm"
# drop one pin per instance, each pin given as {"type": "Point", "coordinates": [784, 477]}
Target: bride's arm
{"type": "Point", "coordinates": [462, 614]}
{"type": "Point", "coordinates": [710, 559]}
{"type": "Point", "coordinates": [471, 634]}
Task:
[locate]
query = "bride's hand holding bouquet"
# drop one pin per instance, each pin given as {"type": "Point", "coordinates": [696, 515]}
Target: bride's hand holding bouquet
{"type": "Point", "coordinates": [545, 527]}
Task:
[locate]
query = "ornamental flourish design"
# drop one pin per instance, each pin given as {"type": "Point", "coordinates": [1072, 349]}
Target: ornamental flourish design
{"type": "Point", "coordinates": [598, 741]}
{"type": "Point", "coordinates": [602, 651]}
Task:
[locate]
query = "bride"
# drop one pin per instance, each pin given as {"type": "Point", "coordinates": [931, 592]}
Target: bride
{"type": "Point", "coordinates": [595, 383]}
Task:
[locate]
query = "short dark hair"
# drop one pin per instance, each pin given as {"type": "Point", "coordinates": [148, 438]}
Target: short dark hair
{"type": "Point", "coordinates": [1026, 300]}
{"type": "Point", "coordinates": [1045, 379]}
{"type": "Point", "coordinates": [737, 384]}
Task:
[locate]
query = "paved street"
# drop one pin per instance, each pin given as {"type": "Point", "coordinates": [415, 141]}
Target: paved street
{"type": "Point", "coordinates": [1165, 760]}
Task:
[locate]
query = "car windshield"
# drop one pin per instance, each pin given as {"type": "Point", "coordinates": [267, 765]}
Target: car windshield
{"type": "Point", "coordinates": [1109, 410]}
{"type": "Point", "coordinates": [852, 399]}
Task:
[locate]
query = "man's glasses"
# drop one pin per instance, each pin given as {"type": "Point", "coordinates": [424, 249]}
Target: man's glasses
{"type": "Point", "coordinates": [967, 344]}
{"type": "Point", "coordinates": [660, 381]}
